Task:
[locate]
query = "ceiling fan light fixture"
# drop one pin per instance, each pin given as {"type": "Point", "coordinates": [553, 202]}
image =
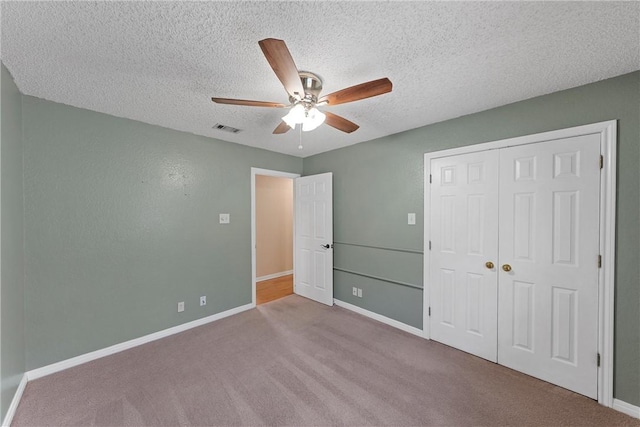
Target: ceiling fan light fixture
{"type": "Point", "coordinates": [296, 115]}
{"type": "Point", "coordinates": [313, 119]}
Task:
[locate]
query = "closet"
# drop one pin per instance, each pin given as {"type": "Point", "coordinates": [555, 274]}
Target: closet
{"type": "Point", "coordinates": [513, 256]}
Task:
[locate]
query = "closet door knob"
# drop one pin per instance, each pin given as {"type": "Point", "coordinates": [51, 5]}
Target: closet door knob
{"type": "Point", "coordinates": [506, 267]}
{"type": "Point", "coordinates": [489, 265]}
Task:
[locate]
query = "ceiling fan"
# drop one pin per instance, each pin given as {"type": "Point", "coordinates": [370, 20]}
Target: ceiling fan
{"type": "Point", "coordinates": [304, 90]}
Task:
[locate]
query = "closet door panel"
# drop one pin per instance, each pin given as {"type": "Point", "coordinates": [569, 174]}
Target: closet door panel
{"type": "Point", "coordinates": [549, 222]}
{"type": "Point", "coordinates": [464, 225]}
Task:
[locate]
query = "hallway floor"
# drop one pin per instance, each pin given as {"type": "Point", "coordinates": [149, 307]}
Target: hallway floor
{"type": "Point", "coordinates": [273, 289]}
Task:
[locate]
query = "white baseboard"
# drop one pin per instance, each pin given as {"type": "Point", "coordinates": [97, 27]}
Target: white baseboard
{"type": "Point", "coordinates": [626, 408]}
{"type": "Point", "coordinates": [380, 318]}
{"type": "Point", "coordinates": [84, 358]}
{"type": "Point", "coordinates": [273, 276]}
{"type": "Point", "coordinates": [14, 402]}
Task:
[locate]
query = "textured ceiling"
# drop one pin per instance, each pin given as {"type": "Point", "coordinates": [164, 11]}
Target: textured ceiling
{"type": "Point", "coordinates": [160, 62]}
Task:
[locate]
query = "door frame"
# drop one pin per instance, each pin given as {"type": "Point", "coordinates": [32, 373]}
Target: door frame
{"type": "Point", "coordinates": [281, 174]}
{"type": "Point", "coordinates": [606, 279]}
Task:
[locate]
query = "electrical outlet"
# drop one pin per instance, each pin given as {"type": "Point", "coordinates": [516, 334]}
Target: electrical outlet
{"type": "Point", "coordinates": [355, 291]}
{"type": "Point", "coordinates": [225, 218]}
{"type": "Point", "coordinates": [359, 293]}
{"type": "Point", "coordinates": [203, 301]}
{"type": "Point", "coordinates": [180, 306]}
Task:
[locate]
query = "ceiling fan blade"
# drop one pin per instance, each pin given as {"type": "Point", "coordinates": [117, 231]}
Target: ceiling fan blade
{"type": "Point", "coordinates": [281, 128]}
{"type": "Point", "coordinates": [282, 63]}
{"type": "Point", "coordinates": [358, 92]}
{"type": "Point", "coordinates": [340, 123]}
{"type": "Point", "coordinates": [247, 102]}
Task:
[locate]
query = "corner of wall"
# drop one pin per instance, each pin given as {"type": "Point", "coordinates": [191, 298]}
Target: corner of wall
{"type": "Point", "coordinates": [12, 255]}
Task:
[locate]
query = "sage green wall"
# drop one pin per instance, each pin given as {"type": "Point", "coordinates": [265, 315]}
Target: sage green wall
{"type": "Point", "coordinates": [376, 183]}
{"type": "Point", "coordinates": [12, 347]}
{"type": "Point", "coordinates": [122, 223]}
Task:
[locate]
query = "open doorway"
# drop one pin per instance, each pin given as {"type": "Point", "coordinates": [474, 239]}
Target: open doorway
{"type": "Point", "coordinates": [272, 234]}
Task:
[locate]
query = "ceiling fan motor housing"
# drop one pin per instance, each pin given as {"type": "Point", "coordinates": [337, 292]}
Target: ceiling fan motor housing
{"type": "Point", "coordinates": [312, 84]}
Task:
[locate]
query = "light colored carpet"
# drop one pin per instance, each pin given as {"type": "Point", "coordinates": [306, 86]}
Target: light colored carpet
{"type": "Point", "coordinates": [295, 362]}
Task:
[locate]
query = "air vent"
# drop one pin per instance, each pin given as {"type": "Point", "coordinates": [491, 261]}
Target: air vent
{"type": "Point", "coordinates": [225, 128]}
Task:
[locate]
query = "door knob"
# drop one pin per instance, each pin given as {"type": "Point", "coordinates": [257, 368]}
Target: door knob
{"type": "Point", "coordinates": [506, 267]}
{"type": "Point", "coordinates": [327, 246]}
{"type": "Point", "coordinates": [489, 265]}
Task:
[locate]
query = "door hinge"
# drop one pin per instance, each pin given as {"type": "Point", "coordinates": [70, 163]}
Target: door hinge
{"type": "Point", "coordinates": [601, 161]}
{"type": "Point", "coordinates": [599, 261]}
{"type": "Point", "coordinates": [429, 311]}
{"type": "Point", "coordinates": [429, 244]}
{"type": "Point", "coordinates": [430, 178]}
{"type": "Point", "coordinates": [598, 360]}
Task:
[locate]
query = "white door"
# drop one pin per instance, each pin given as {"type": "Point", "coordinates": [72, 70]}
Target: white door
{"type": "Point", "coordinates": [549, 228]}
{"type": "Point", "coordinates": [313, 271]}
{"type": "Point", "coordinates": [464, 238]}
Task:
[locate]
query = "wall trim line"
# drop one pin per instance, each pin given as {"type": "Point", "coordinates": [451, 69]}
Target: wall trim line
{"type": "Point", "coordinates": [274, 275]}
{"type": "Point", "coordinates": [379, 317]}
{"type": "Point", "coordinates": [8, 418]}
{"type": "Point", "coordinates": [384, 248]}
{"type": "Point", "coordinates": [117, 348]}
{"type": "Point", "coordinates": [626, 408]}
{"type": "Point", "coordinates": [382, 279]}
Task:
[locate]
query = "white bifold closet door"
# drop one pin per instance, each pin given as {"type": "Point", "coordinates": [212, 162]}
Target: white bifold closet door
{"type": "Point", "coordinates": [514, 257]}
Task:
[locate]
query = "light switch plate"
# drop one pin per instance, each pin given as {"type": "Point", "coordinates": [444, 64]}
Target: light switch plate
{"type": "Point", "coordinates": [411, 219]}
{"type": "Point", "coordinates": [225, 218]}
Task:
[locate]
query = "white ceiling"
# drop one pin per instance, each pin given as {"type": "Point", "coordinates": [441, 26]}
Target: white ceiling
{"type": "Point", "coordinates": [160, 62]}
